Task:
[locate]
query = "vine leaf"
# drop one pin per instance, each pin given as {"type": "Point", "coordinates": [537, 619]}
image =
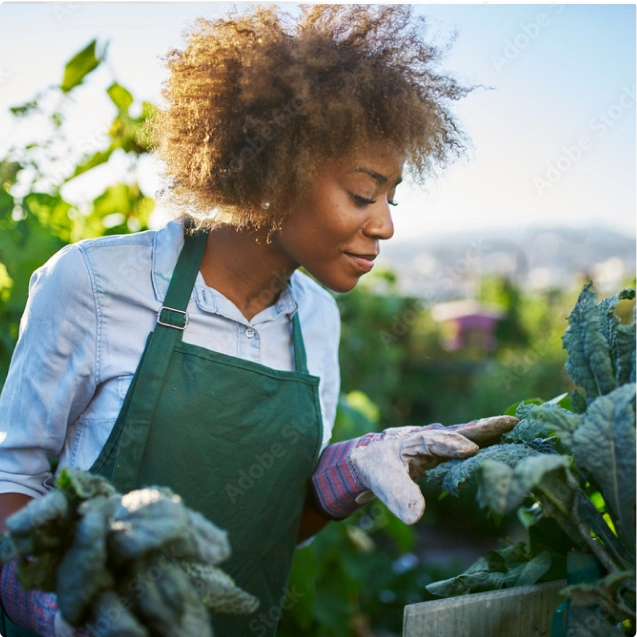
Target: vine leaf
{"type": "Point", "coordinates": [79, 66]}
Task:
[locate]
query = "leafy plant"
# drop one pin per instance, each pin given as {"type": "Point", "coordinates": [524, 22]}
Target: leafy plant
{"type": "Point", "coordinates": [503, 568]}
{"type": "Point", "coordinates": [36, 217]}
{"type": "Point", "coordinates": [571, 461]}
{"type": "Point", "coordinates": [139, 564]}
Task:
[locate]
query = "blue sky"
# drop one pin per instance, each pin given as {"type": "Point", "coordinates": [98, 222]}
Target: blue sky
{"type": "Point", "coordinates": [553, 142]}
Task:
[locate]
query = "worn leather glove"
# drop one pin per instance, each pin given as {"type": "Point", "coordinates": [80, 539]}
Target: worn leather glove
{"type": "Point", "coordinates": [388, 464]}
{"type": "Point", "coordinates": [484, 432]}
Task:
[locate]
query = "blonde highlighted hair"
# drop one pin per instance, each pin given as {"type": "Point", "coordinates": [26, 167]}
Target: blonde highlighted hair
{"type": "Point", "coordinates": [257, 102]}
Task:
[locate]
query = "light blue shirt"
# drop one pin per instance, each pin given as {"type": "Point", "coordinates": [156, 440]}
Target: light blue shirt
{"type": "Point", "coordinates": [90, 309]}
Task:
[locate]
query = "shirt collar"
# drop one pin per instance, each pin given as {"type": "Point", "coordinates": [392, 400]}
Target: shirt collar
{"type": "Point", "coordinates": [167, 245]}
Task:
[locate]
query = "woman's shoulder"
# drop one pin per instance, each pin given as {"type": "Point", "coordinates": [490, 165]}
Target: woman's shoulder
{"type": "Point", "coordinates": [73, 252]}
{"type": "Point", "coordinates": [107, 261]}
{"type": "Point", "coordinates": [131, 242]}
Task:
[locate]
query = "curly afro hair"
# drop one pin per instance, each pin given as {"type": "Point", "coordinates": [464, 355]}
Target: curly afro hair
{"type": "Point", "coordinates": [256, 103]}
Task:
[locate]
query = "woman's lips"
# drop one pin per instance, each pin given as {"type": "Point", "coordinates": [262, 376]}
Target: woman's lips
{"type": "Point", "coordinates": [363, 262]}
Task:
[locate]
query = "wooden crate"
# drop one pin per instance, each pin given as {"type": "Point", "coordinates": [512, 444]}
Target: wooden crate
{"type": "Point", "coordinates": [525, 611]}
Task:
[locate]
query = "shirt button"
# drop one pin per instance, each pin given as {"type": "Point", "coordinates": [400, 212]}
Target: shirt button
{"type": "Point", "coordinates": [249, 332]}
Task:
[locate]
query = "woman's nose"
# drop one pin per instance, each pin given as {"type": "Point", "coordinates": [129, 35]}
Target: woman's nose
{"type": "Point", "coordinates": [380, 225]}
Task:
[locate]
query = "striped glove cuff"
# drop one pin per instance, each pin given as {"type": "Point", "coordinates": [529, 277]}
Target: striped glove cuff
{"type": "Point", "coordinates": [338, 488]}
{"type": "Point", "coordinates": [335, 481]}
{"type": "Point", "coordinates": [32, 609]}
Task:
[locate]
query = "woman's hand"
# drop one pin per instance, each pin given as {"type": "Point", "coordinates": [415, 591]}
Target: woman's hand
{"type": "Point", "coordinates": [387, 464]}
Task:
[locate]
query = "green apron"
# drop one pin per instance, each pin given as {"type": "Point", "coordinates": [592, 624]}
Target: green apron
{"type": "Point", "coordinates": [236, 439]}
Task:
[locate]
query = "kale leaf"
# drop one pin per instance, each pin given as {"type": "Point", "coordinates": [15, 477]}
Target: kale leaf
{"type": "Point", "coordinates": [502, 568]}
{"type": "Point", "coordinates": [589, 363]}
{"type": "Point", "coordinates": [604, 446]}
{"type": "Point", "coordinates": [136, 565]}
{"type": "Point", "coordinates": [451, 474]}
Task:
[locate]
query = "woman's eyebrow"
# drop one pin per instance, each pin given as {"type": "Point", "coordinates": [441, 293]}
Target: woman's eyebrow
{"type": "Point", "coordinates": [381, 179]}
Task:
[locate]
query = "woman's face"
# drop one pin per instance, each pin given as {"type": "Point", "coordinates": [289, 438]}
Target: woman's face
{"type": "Point", "coordinates": [335, 233]}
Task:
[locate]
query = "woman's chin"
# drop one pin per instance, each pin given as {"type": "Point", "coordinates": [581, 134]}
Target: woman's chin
{"type": "Point", "coordinates": [340, 285]}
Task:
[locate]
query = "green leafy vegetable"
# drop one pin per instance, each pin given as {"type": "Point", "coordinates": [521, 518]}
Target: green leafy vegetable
{"type": "Point", "coordinates": [573, 459]}
{"type": "Point", "coordinates": [450, 475]}
{"type": "Point", "coordinates": [589, 361]}
{"type": "Point", "coordinates": [83, 485]}
{"type": "Point", "coordinates": [503, 568]}
{"type": "Point", "coordinates": [218, 590]}
{"type": "Point", "coordinates": [40, 526]}
{"type": "Point", "coordinates": [141, 564]}
{"type": "Point", "coordinates": [621, 337]}
{"type": "Point", "coordinates": [503, 488]}
{"type": "Point", "coordinates": [605, 447]}
{"type": "Point", "coordinates": [145, 521]}
{"type": "Point", "coordinates": [114, 619]}
{"type": "Point", "coordinates": [201, 542]}
{"type": "Point", "coordinates": [541, 421]}
{"type": "Point", "coordinates": [83, 570]}
{"type": "Point", "coordinates": [168, 601]}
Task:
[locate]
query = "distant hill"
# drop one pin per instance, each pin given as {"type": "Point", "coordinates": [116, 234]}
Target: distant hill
{"type": "Point", "coordinates": [448, 265]}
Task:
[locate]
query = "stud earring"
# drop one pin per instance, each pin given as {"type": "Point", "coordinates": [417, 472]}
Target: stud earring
{"type": "Point", "coordinates": [265, 205]}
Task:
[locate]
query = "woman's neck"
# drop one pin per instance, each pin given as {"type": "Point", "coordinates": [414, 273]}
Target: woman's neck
{"type": "Point", "coordinates": [251, 274]}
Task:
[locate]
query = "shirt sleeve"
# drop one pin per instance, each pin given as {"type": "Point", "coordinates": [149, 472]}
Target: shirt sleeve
{"type": "Point", "coordinates": [53, 372]}
{"type": "Point", "coordinates": [332, 379]}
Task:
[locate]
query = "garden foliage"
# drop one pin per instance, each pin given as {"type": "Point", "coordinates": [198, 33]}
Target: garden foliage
{"type": "Point", "coordinates": [141, 564]}
{"type": "Point", "coordinates": [571, 460]}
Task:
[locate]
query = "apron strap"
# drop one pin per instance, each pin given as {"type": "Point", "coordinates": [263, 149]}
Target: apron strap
{"type": "Point", "coordinates": [300, 358]}
{"type": "Point", "coordinates": [171, 322]}
{"type": "Point", "coordinates": [186, 271]}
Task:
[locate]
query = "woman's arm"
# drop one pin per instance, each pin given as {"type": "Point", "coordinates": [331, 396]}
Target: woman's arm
{"type": "Point", "coordinates": [9, 504]}
{"type": "Point", "coordinates": [53, 373]}
{"type": "Point", "coordinates": [312, 521]}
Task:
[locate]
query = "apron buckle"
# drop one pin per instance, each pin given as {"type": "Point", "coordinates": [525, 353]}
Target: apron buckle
{"type": "Point", "coordinates": [168, 324]}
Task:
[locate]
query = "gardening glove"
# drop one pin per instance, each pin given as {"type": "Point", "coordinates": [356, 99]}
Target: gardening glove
{"type": "Point", "coordinates": [484, 432]}
{"type": "Point", "coordinates": [389, 463]}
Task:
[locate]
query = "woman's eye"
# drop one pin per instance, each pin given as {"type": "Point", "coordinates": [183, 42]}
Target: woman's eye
{"type": "Point", "coordinates": [361, 201]}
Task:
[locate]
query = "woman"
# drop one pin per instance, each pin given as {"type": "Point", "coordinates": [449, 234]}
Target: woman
{"type": "Point", "coordinates": [284, 142]}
